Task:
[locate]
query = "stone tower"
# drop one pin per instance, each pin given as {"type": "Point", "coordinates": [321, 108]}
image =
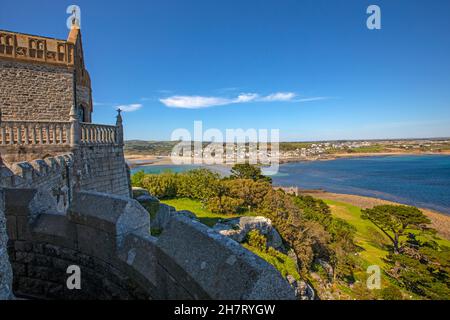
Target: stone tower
{"type": "Point", "coordinates": [43, 78]}
{"type": "Point", "coordinates": [46, 111]}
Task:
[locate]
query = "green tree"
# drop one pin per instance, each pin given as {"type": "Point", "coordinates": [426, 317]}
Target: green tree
{"type": "Point", "coordinates": [248, 171]}
{"type": "Point", "coordinates": [394, 220]}
{"type": "Point", "coordinates": [200, 184]}
{"type": "Point", "coordinates": [251, 192]}
{"type": "Point", "coordinates": [424, 271]}
{"type": "Point", "coordinates": [162, 185]}
{"type": "Point", "coordinates": [136, 179]}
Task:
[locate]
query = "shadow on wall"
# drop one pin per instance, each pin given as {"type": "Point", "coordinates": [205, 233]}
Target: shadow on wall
{"type": "Point", "coordinates": [5, 267]}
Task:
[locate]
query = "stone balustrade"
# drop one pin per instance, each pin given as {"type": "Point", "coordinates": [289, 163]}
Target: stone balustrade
{"type": "Point", "coordinates": [34, 133]}
{"type": "Point", "coordinates": [23, 133]}
{"type": "Point", "coordinates": [96, 134]}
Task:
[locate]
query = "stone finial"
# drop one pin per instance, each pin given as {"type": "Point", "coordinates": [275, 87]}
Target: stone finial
{"type": "Point", "coordinates": [119, 117]}
{"type": "Point", "coordinates": [119, 127]}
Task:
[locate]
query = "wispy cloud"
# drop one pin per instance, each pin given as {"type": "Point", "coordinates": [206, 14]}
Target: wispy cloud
{"type": "Point", "coordinates": [280, 96]}
{"type": "Point", "coordinates": [312, 99]}
{"type": "Point", "coordinates": [193, 102]}
{"type": "Point", "coordinates": [198, 102]}
{"type": "Point", "coordinates": [129, 107]}
{"type": "Point", "coordinates": [100, 104]}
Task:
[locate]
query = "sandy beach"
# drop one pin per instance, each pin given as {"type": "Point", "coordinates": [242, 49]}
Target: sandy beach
{"type": "Point", "coordinates": [139, 159]}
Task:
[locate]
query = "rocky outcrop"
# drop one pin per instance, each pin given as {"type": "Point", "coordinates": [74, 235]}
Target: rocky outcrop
{"type": "Point", "coordinates": [238, 228]}
{"type": "Point", "coordinates": [326, 267]}
{"type": "Point", "coordinates": [303, 291]}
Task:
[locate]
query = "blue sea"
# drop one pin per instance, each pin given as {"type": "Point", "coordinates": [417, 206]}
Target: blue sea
{"type": "Point", "coordinates": [422, 181]}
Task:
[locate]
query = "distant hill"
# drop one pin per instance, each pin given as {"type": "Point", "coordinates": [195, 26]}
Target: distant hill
{"type": "Point", "coordinates": [158, 148]}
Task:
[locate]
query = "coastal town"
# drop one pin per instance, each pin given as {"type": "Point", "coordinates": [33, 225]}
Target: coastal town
{"type": "Point", "coordinates": [156, 151]}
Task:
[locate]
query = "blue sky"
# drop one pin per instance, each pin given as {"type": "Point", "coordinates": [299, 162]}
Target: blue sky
{"type": "Point", "coordinates": [309, 68]}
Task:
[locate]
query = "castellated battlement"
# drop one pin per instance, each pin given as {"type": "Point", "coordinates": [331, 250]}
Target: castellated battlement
{"type": "Point", "coordinates": [108, 237]}
{"type": "Point", "coordinates": [33, 48]}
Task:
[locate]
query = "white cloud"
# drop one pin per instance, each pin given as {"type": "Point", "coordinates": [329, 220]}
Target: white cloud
{"type": "Point", "coordinates": [279, 96]}
{"type": "Point", "coordinates": [312, 99]}
{"type": "Point", "coordinates": [246, 97]}
{"type": "Point", "coordinates": [129, 107]}
{"type": "Point", "coordinates": [197, 102]}
{"type": "Point", "coordinates": [194, 102]}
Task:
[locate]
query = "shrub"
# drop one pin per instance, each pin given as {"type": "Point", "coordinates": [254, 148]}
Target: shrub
{"type": "Point", "coordinates": [391, 293]}
{"type": "Point", "coordinates": [162, 186]}
{"type": "Point", "coordinates": [256, 240]}
{"type": "Point", "coordinates": [136, 179]}
{"type": "Point", "coordinates": [224, 205]}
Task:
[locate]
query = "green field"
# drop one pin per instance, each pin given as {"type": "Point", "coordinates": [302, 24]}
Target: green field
{"type": "Point", "coordinates": [372, 252]}
{"type": "Point", "coordinates": [367, 236]}
{"type": "Point", "coordinates": [372, 242]}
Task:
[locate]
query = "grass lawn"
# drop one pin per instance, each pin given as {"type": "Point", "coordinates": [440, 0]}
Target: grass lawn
{"type": "Point", "coordinates": [372, 252]}
{"type": "Point", "coordinates": [281, 262]}
{"type": "Point", "coordinates": [203, 214]}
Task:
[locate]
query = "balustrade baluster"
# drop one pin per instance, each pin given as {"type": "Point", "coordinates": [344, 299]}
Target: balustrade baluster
{"type": "Point", "coordinates": [54, 134]}
{"type": "Point", "coordinates": [3, 129]}
{"type": "Point", "coordinates": [83, 134]}
{"type": "Point", "coordinates": [11, 134]}
{"type": "Point", "coordinates": [26, 133]}
{"type": "Point", "coordinates": [41, 135]}
{"type": "Point", "coordinates": [60, 129]}
{"type": "Point", "coordinates": [86, 140]}
{"type": "Point", "coordinates": [47, 134]}
{"type": "Point", "coordinates": [33, 134]}
{"type": "Point", "coordinates": [19, 133]}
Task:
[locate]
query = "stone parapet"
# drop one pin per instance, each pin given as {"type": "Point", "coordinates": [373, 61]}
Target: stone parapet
{"type": "Point", "coordinates": [108, 237]}
{"type": "Point", "coordinates": [38, 49]}
{"type": "Point", "coordinates": [5, 266]}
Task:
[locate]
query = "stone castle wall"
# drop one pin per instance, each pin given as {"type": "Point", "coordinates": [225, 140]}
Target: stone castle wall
{"type": "Point", "coordinates": [103, 169]}
{"type": "Point", "coordinates": [5, 266]}
{"type": "Point", "coordinates": [84, 98]}
{"type": "Point", "coordinates": [33, 91]}
{"type": "Point", "coordinates": [54, 175]}
{"type": "Point", "coordinates": [108, 237]}
{"type": "Point", "coordinates": [100, 168]}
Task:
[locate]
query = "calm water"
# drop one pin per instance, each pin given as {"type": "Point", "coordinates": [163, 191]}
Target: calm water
{"type": "Point", "coordinates": [415, 180]}
{"type": "Point", "coordinates": [155, 169]}
{"type": "Point", "coordinates": [422, 181]}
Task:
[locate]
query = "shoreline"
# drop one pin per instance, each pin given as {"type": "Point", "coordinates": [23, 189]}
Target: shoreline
{"type": "Point", "coordinates": [336, 156]}
{"type": "Point", "coordinates": [439, 220]}
{"type": "Point", "coordinates": [136, 160]}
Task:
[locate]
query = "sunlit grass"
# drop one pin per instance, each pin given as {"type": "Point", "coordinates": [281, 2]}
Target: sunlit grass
{"type": "Point", "coordinates": [203, 214]}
